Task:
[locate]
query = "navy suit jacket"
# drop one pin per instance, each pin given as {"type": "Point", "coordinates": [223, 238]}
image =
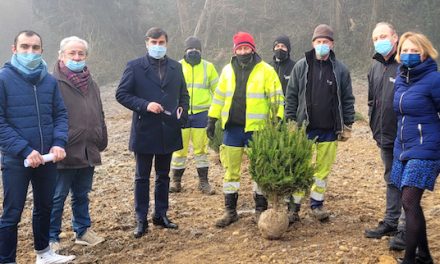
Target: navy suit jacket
{"type": "Point", "coordinates": [140, 84]}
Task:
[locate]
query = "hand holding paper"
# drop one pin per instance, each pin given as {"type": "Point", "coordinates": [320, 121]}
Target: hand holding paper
{"type": "Point", "coordinates": [47, 158]}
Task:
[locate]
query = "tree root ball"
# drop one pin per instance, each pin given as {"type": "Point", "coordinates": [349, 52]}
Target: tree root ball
{"type": "Point", "coordinates": [273, 224]}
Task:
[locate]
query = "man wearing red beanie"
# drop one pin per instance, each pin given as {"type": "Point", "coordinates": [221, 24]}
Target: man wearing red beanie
{"type": "Point", "coordinates": [245, 88]}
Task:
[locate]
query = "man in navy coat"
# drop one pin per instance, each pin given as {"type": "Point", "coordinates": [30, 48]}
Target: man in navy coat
{"type": "Point", "coordinates": [154, 88]}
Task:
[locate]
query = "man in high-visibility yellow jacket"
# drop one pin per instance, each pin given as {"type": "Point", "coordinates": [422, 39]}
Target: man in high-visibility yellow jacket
{"type": "Point", "coordinates": [246, 89]}
{"type": "Point", "coordinates": [201, 80]}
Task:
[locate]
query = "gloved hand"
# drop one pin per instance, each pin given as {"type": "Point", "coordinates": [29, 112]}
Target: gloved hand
{"type": "Point", "coordinates": [184, 119]}
{"type": "Point", "coordinates": [210, 129]}
{"type": "Point", "coordinates": [346, 133]}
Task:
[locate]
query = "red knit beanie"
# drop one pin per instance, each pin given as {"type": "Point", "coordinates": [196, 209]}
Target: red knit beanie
{"type": "Point", "coordinates": [243, 39]}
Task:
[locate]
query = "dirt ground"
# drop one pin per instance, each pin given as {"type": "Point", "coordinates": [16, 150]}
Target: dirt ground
{"type": "Point", "coordinates": [355, 198]}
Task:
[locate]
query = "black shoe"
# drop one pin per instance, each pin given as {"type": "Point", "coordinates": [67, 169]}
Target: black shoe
{"type": "Point", "coordinates": [141, 229]}
{"type": "Point", "coordinates": [383, 229]}
{"type": "Point", "coordinates": [423, 259]}
{"type": "Point", "coordinates": [164, 222]}
{"type": "Point", "coordinates": [397, 242]}
{"type": "Point", "coordinates": [401, 261]}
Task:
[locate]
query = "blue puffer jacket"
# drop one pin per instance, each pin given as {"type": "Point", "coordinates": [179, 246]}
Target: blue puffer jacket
{"type": "Point", "coordinates": [32, 117]}
{"type": "Point", "coordinates": [417, 104]}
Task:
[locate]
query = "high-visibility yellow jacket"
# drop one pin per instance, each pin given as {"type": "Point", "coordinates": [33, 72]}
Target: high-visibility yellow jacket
{"type": "Point", "coordinates": [262, 89]}
{"type": "Point", "coordinates": [201, 81]}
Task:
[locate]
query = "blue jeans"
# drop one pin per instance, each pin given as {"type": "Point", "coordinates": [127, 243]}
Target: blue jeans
{"type": "Point", "coordinates": [79, 182]}
{"type": "Point", "coordinates": [16, 180]}
{"type": "Point", "coordinates": [144, 163]}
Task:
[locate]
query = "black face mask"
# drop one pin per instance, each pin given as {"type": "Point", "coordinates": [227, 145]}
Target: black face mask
{"type": "Point", "coordinates": [281, 54]}
{"type": "Point", "coordinates": [245, 59]}
{"type": "Point", "coordinates": [193, 57]}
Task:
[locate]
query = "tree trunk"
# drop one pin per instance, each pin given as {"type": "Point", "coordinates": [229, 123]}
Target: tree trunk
{"type": "Point", "coordinates": [182, 12]}
{"type": "Point", "coordinates": [373, 20]}
{"type": "Point", "coordinates": [202, 18]}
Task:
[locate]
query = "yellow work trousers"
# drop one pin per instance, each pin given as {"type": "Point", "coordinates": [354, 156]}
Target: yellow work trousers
{"type": "Point", "coordinates": [199, 141]}
{"type": "Point", "coordinates": [231, 158]}
{"type": "Point", "coordinates": [325, 156]}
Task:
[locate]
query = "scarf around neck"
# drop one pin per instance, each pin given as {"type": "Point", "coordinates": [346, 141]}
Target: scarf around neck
{"type": "Point", "coordinates": [79, 79]}
{"type": "Point", "coordinates": [33, 76]}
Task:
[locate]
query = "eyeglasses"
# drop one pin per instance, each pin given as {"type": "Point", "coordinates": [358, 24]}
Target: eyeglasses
{"type": "Point", "coordinates": [73, 53]}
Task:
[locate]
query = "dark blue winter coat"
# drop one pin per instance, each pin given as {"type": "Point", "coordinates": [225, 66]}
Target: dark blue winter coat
{"type": "Point", "coordinates": [417, 105]}
{"type": "Point", "coordinates": [140, 84]}
{"type": "Point", "coordinates": [32, 117]}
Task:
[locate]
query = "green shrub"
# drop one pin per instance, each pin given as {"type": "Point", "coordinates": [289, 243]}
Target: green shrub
{"type": "Point", "coordinates": [359, 117]}
{"type": "Point", "coordinates": [280, 160]}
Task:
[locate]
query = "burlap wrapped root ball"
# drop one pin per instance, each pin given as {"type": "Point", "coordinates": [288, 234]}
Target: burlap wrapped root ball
{"type": "Point", "coordinates": [273, 224]}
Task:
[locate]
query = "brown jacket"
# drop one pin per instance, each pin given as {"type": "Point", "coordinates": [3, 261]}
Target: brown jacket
{"type": "Point", "coordinates": [87, 129]}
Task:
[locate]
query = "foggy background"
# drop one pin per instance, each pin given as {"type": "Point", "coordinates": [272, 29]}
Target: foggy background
{"type": "Point", "coordinates": [115, 29]}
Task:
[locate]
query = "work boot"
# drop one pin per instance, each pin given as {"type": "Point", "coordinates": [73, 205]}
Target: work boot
{"type": "Point", "coordinates": [320, 213]}
{"type": "Point", "coordinates": [397, 242]}
{"type": "Point", "coordinates": [383, 229]}
{"type": "Point", "coordinates": [204, 186]}
{"type": "Point", "coordinates": [293, 212]}
{"type": "Point", "coordinates": [230, 216]}
{"type": "Point", "coordinates": [176, 179]}
{"type": "Point", "coordinates": [260, 205]}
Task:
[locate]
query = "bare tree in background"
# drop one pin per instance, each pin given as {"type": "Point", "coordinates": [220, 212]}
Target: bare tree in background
{"type": "Point", "coordinates": [115, 28]}
{"type": "Point", "coordinates": [184, 17]}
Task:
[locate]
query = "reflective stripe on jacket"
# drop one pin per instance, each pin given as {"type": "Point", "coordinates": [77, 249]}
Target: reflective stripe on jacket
{"type": "Point", "coordinates": [262, 89]}
{"type": "Point", "coordinates": [201, 81]}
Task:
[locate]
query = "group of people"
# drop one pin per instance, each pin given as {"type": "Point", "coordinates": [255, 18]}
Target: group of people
{"type": "Point", "coordinates": [175, 103]}
{"type": "Point", "coordinates": [404, 111]}
{"type": "Point", "coordinates": [59, 114]}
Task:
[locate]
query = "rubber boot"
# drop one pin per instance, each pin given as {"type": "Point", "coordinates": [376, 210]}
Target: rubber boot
{"type": "Point", "coordinates": [293, 211]}
{"type": "Point", "coordinates": [204, 186]}
{"type": "Point", "coordinates": [230, 216]}
{"type": "Point", "coordinates": [260, 205]}
{"type": "Point", "coordinates": [176, 179]}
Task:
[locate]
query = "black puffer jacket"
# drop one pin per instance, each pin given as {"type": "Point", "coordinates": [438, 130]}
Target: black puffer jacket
{"type": "Point", "coordinates": [383, 122]}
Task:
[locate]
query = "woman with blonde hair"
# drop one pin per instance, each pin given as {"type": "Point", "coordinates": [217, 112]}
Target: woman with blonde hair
{"type": "Point", "coordinates": [416, 162]}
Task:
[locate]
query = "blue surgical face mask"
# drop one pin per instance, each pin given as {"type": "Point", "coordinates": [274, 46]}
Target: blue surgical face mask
{"type": "Point", "coordinates": [322, 50]}
{"type": "Point", "coordinates": [383, 47]}
{"type": "Point", "coordinates": [157, 51]}
{"type": "Point", "coordinates": [410, 60]}
{"type": "Point", "coordinates": [76, 66]}
{"type": "Point", "coordinates": [29, 60]}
